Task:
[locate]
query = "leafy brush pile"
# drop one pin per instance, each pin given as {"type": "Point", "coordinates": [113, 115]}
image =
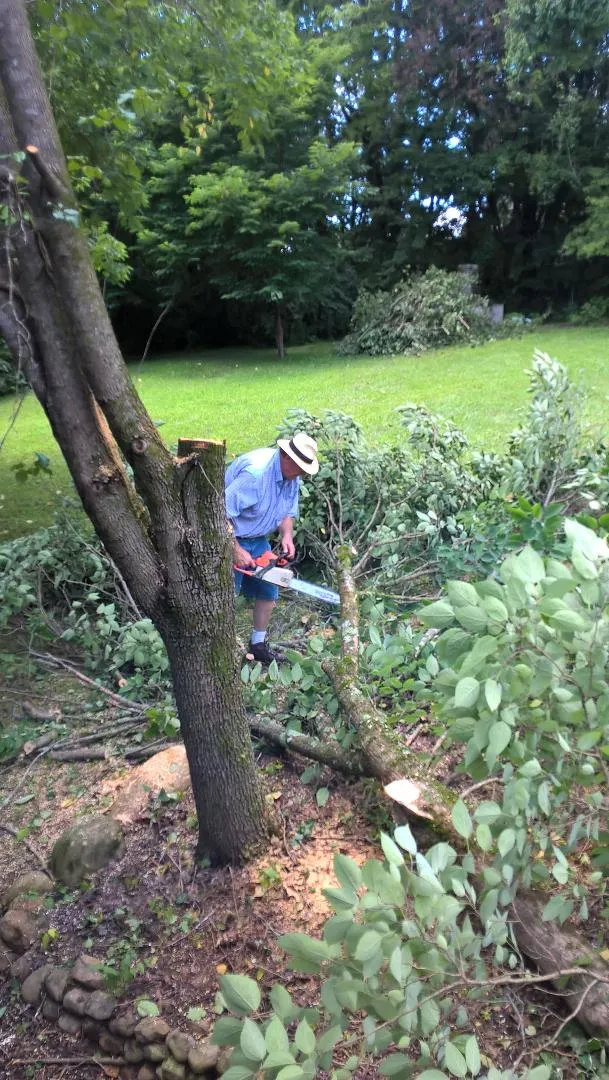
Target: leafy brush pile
{"type": "Point", "coordinates": [431, 507]}
{"type": "Point", "coordinates": [425, 311]}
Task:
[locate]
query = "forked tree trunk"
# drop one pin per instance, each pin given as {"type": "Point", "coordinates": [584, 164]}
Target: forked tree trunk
{"type": "Point", "coordinates": [166, 531]}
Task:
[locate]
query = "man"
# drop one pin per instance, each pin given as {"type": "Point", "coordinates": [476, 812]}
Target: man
{"type": "Point", "coordinates": [262, 497]}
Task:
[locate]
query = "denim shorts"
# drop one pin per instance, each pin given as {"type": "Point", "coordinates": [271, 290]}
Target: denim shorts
{"type": "Point", "coordinates": [252, 587]}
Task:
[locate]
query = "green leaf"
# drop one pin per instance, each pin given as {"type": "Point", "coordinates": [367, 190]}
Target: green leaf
{"type": "Point", "coordinates": [276, 1038]}
{"type": "Point", "coordinates": [484, 837]}
{"type": "Point", "coordinates": [196, 1012]}
{"type": "Point", "coordinates": [461, 593]}
{"type": "Point", "coordinates": [472, 618]}
{"type": "Point", "coordinates": [403, 836]}
{"type": "Point", "coordinates": [506, 841]}
{"type": "Point", "coordinates": [322, 796]}
{"type": "Point", "coordinates": [454, 1060]}
{"type": "Point", "coordinates": [571, 621]}
{"type": "Point", "coordinates": [291, 1072]}
{"type": "Point", "coordinates": [241, 994]}
{"type": "Point", "coordinates": [461, 819]}
{"type": "Point", "coordinates": [238, 1072]}
{"type": "Point", "coordinates": [466, 692]}
{"type": "Point", "coordinates": [529, 566]}
{"type": "Point", "coordinates": [430, 1017]}
{"type": "Point", "coordinates": [147, 1008]}
{"type": "Point", "coordinates": [368, 945]}
{"type": "Point", "coordinates": [307, 953]}
{"type": "Point", "coordinates": [499, 736]}
{"type": "Point", "coordinates": [432, 1074]}
{"type": "Point", "coordinates": [472, 1055]}
{"type": "Point", "coordinates": [305, 1040]}
{"type": "Point", "coordinates": [227, 1031]}
{"type": "Point", "coordinates": [540, 1072]}
{"type": "Point", "coordinates": [281, 1002]}
{"type": "Point", "coordinates": [439, 615]}
{"type": "Point", "coordinates": [347, 872]}
{"type": "Point", "coordinates": [252, 1041]}
{"type": "Point", "coordinates": [391, 851]}
{"type": "Point", "coordinates": [492, 693]}
{"type": "Point", "coordinates": [329, 1039]}
{"type": "Point", "coordinates": [397, 1065]}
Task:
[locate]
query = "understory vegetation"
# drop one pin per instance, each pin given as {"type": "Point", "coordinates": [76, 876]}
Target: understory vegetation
{"type": "Point", "coordinates": [483, 584]}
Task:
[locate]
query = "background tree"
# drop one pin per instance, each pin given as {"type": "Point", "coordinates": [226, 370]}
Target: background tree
{"type": "Point", "coordinates": [165, 528]}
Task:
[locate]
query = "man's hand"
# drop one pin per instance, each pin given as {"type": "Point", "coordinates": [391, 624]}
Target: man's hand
{"type": "Point", "coordinates": [287, 545]}
{"type": "Point", "coordinates": [242, 557]}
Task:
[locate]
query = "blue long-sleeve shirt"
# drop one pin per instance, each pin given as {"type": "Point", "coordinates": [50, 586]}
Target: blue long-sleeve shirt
{"type": "Point", "coordinates": [257, 496]}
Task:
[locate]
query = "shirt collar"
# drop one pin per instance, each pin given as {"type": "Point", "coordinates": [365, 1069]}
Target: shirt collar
{"type": "Point", "coordinates": [277, 473]}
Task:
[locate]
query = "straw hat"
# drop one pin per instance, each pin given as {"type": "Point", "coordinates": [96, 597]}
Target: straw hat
{"type": "Point", "coordinates": [302, 449]}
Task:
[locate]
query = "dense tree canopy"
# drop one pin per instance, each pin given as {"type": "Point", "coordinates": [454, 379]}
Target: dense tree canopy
{"type": "Point", "coordinates": [235, 182]}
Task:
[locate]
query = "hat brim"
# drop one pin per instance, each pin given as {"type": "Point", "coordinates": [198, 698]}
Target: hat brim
{"type": "Point", "coordinates": [311, 469]}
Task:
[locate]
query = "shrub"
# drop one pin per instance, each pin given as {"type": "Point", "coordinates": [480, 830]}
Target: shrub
{"type": "Point", "coordinates": [595, 310]}
{"type": "Point", "coordinates": [425, 311]}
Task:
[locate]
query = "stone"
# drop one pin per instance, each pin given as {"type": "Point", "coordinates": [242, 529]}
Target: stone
{"type": "Point", "coordinates": [50, 1009]}
{"type": "Point", "coordinates": [56, 982]}
{"type": "Point", "coordinates": [23, 966]}
{"type": "Point", "coordinates": [7, 958]}
{"type": "Point", "coordinates": [167, 771]}
{"type": "Point", "coordinates": [124, 1025]}
{"type": "Point", "coordinates": [86, 972]}
{"type": "Point", "coordinates": [223, 1061]}
{"type": "Point", "coordinates": [32, 986]}
{"type": "Point", "coordinates": [111, 1045]}
{"type": "Point", "coordinates": [133, 1051]}
{"type": "Point", "coordinates": [69, 1023]}
{"type": "Point", "coordinates": [155, 1051]}
{"type": "Point", "coordinates": [92, 1029]}
{"type": "Point", "coordinates": [86, 846]}
{"type": "Point", "coordinates": [34, 881]}
{"type": "Point", "coordinates": [146, 1072]}
{"type": "Point", "coordinates": [151, 1029]}
{"type": "Point", "coordinates": [31, 905]}
{"type": "Point", "coordinates": [179, 1045]}
{"type": "Point", "coordinates": [76, 1001]}
{"type": "Point", "coordinates": [172, 1070]}
{"type": "Point", "coordinates": [100, 1005]}
{"type": "Point", "coordinates": [18, 931]}
{"type": "Point", "coordinates": [203, 1058]}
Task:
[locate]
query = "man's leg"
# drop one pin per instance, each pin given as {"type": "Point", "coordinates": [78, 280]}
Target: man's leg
{"type": "Point", "coordinates": [263, 609]}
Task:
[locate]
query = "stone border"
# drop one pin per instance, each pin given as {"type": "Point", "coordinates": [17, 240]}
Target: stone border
{"type": "Point", "coordinates": [74, 999]}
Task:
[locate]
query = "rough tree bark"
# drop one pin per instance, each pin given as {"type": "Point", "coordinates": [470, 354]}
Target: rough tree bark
{"type": "Point", "coordinates": [166, 530]}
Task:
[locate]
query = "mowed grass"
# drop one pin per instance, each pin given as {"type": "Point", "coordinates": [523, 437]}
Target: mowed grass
{"type": "Point", "coordinates": [241, 395]}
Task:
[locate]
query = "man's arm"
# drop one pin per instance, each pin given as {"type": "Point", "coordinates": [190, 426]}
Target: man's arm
{"type": "Point", "coordinates": [240, 495]}
{"type": "Point", "coordinates": [287, 540]}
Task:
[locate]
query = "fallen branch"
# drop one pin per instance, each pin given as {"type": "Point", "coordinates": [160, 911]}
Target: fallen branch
{"type": "Point", "coordinates": [326, 753]}
{"type": "Point", "coordinates": [55, 661]}
{"type": "Point", "coordinates": [80, 753]}
{"type": "Point", "coordinates": [37, 713]}
{"type": "Point", "coordinates": [12, 831]}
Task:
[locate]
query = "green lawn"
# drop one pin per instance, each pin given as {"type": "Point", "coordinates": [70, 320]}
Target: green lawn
{"type": "Point", "coordinates": [242, 394]}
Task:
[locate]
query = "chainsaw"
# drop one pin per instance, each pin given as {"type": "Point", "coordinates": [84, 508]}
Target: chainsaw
{"type": "Point", "coordinates": [276, 570]}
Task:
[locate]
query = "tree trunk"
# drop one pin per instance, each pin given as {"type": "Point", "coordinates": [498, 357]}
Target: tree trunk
{"type": "Point", "coordinates": [165, 531]}
{"type": "Point", "coordinates": [279, 333]}
{"type": "Point", "coordinates": [200, 641]}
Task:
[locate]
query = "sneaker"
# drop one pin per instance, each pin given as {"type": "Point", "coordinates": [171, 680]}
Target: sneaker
{"type": "Point", "coordinates": [263, 654]}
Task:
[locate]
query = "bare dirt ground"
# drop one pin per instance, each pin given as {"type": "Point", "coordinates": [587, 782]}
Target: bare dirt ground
{"type": "Point", "coordinates": [179, 925]}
